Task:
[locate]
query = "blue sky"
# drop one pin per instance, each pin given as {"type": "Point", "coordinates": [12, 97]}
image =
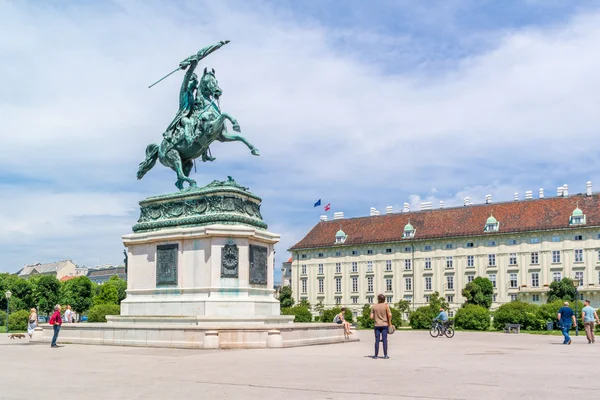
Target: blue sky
{"type": "Point", "coordinates": [359, 104]}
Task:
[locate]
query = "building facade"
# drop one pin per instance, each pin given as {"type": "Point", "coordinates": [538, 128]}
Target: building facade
{"type": "Point", "coordinates": [521, 246]}
{"type": "Point", "coordinates": [286, 273]}
{"type": "Point", "coordinates": [57, 269]}
{"type": "Point", "coordinates": [103, 273]}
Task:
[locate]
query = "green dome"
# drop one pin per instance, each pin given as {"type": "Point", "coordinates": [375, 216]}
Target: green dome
{"type": "Point", "coordinates": [409, 227]}
{"type": "Point", "coordinates": [491, 220]}
{"type": "Point", "coordinates": [340, 233]}
{"type": "Point", "coordinates": [577, 212]}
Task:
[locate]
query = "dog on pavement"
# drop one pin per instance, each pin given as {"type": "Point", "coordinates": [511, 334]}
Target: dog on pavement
{"type": "Point", "coordinates": [16, 336]}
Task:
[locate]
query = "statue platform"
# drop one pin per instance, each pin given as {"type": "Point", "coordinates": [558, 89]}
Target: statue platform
{"type": "Point", "coordinates": [200, 274]}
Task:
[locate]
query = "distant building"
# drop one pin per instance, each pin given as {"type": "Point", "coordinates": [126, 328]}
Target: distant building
{"type": "Point", "coordinates": [57, 269]}
{"type": "Point", "coordinates": [286, 273]}
{"type": "Point", "coordinates": [103, 273]}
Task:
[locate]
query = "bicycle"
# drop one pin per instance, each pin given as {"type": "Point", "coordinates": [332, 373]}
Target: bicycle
{"type": "Point", "coordinates": [438, 329]}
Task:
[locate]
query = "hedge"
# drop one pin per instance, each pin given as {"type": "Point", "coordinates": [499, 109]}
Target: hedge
{"type": "Point", "coordinates": [473, 317]}
{"type": "Point", "coordinates": [17, 321]}
{"type": "Point", "coordinates": [422, 317]}
{"type": "Point", "coordinates": [98, 313]}
{"type": "Point", "coordinates": [302, 314]}
{"type": "Point", "coordinates": [518, 312]}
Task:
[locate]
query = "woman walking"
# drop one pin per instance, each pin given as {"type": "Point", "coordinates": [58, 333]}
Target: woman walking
{"type": "Point", "coordinates": [32, 322]}
{"type": "Point", "coordinates": [382, 316]}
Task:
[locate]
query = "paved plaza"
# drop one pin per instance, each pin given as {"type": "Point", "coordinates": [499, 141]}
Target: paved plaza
{"type": "Point", "coordinates": [469, 366]}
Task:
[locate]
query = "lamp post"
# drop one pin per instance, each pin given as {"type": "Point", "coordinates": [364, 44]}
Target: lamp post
{"type": "Point", "coordinates": [576, 285]}
{"type": "Point", "coordinates": [7, 294]}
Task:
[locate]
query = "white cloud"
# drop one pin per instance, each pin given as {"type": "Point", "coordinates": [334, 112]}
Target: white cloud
{"type": "Point", "coordinates": [77, 115]}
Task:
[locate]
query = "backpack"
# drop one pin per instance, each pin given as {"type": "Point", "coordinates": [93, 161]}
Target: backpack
{"type": "Point", "coordinates": [336, 319]}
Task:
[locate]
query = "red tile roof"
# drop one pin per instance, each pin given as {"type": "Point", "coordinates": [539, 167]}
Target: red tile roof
{"type": "Point", "coordinates": [290, 260]}
{"type": "Point", "coordinates": [516, 216]}
{"type": "Point", "coordinates": [67, 278]}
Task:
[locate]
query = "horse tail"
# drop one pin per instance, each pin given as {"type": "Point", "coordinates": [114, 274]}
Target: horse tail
{"type": "Point", "coordinates": [148, 163]}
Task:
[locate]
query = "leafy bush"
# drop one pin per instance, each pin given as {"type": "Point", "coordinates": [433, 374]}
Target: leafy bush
{"type": "Point", "coordinates": [365, 318]}
{"type": "Point", "coordinates": [479, 291]}
{"type": "Point", "coordinates": [2, 318]}
{"type": "Point", "coordinates": [17, 321]}
{"type": "Point", "coordinates": [98, 313]}
{"type": "Point", "coordinates": [421, 318]}
{"type": "Point", "coordinates": [473, 317]}
{"type": "Point", "coordinates": [329, 315]}
{"type": "Point", "coordinates": [396, 317]}
{"type": "Point", "coordinates": [107, 294]}
{"type": "Point", "coordinates": [286, 298]}
{"type": "Point", "coordinates": [302, 313]}
{"type": "Point", "coordinates": [518, 312]}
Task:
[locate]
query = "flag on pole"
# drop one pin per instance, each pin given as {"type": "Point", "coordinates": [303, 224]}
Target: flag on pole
{"type": "Point", "coordinates": [318, 203]}
{"type": "Point", "coordinates": [328, 207]}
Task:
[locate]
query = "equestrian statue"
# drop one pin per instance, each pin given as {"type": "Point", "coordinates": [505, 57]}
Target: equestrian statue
{"type": "Point", "coordinates": [198, 123]}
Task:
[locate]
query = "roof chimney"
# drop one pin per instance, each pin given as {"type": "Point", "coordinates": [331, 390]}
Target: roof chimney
{"type": "Point", "coordinates": [565, 191]}
{"type": "Point", "coordinates": [372, 211]}
{"type": "Point", "coordinates": [406, 208]}
{"type": "Point", "coordinates": [389, 210]}
{"type": "Point", "coordinates": [426, 205]}
{"type": "Point", "coordinates": [338, 215]}
{"type": "Point", "coordinates": [541, 193]}
{"type": "Point", "coordinates": [528, 195]}
{"type": "Point", "coordinates": [441, 203]}
{"type": "Point", "coordinates": [488, 199]}
{"type": "Point", "coordinates": [323, 218]}
{"type": "Point", "coordinates": [588, 188]}
{"type": "Point", "coordinates": [467, 201]}
{"type": "Point", "coordinates": [516, 196]}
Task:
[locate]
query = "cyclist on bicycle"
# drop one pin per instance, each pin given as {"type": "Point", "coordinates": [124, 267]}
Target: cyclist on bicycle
{"type": "Point", "coordinates": [442, 317]}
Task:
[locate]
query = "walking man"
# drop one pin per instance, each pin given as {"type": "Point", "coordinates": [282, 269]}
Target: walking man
{"type": "Point", "coordinates": [589, 316]}
{"type": "Point", "coordinates": [56, 322]}
{"type": "Point", "coordinates": [566, 316]}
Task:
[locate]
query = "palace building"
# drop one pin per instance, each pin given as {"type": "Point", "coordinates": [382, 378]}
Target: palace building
{"type": "Point", "coordinates": [521, 246]}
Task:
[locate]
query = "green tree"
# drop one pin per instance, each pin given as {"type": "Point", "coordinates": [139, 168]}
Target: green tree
{"type": "Point", "coordinates": [562, 290]}
{"type": "Point", "coordinates": [479, 292]}
{"type": "Point", "coordinates": [98, 313]}
{"type": "Point", "coordinates": [120, 285]}
{"type": "Point", "coordinates": [46, 290]}
{"type": "Point", "coordinates": [22, 295]}
{"type": "Point", "coordinates": [364, 319]}
{"type": "Point", "coordinates": [107, 294]}
{"type": "Point", "coordinates": [421, 318]}
{"type": "Point", "coordinates": [6, 280]}
{"type": "Point", "coordinates": [436, 301]}
{"type": "Point", "coordinates": [77, 293]}
{"type": "Point", "coordinates": [304, 303]}
{"type": "Point", "coordinates": [319, 307]}
{"type": "Point", "coordinates": [285, 297]}
{"type": "Point", "coordinates": [403, 306]}
{"type": "Point", "coordinates": [473, 317]}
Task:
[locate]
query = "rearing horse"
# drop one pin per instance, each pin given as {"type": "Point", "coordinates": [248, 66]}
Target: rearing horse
{"type": "Point", "coordinates": [194, 128]}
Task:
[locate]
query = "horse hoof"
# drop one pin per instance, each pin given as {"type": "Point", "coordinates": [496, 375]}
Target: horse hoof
{"type": "Point", "coordinates": [255, 152]}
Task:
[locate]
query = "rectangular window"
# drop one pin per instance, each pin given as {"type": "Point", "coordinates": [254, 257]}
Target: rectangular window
{"type": "Point", "coordinates": [535, 279]}
{"type": "Point", "coordinates": [449, 262]}
{"type": "Point", "coordinates": [304, 286]}
{"type": "Point", "coordinates": [578, 237]}
{"type": "Point", "coordinates": [338, 268]}
{"type": "Point", "coordinates": [511, 242]}
{"type": "Point", "coordinates": [470, 244]}
{"type": "Point", "coordinates": [556, 276]}
{"type": "Point", "coordinates": [388, 285]}
{"type": "Point", "coordinates": [598, 255]}
{"type": "Point", "coordinates": [369, 252]}
{"type": "Point", "coordinates": [370, 299]}
{"type": "Point", "coordinates": [492, 278]}
{"type": "Point", "coordinates": [427, 283]}
{"type": "Point", "coordinates": [338, 253]}
{"type": "Point", "coordinates": [320, 255]}
{"type": "Point", "coordinates": [427, 299]}
{"type": "Point", "coordinates": [388, 265]}
{"type": "Point", "coordinates": [428, 248]}
{"type": "Point", "coordinates": [321, 285]}
{"type": "Point", "coordinates": [494, 297]}
{"type": "Point", "coordinates": [556, 239]}
{"type": "Point", "coordinates": [408, 283]}
{"type": "Point", "coordinates": [355, 300]}
{"type": "Point", "coordinates": [389, 299]}
{"type": "Point", "coordinates": [388, 250]}
{"type": "Point", "coordinates": [355, 283]}
{"type": "Point", "coordinates": [428, 263]}
{"type": "Point", "coordinates": [370, 284]}
{"type": "Point", "coordinates": [449, 245]}
{"type": "Point", "coordinates": [579, 277]}
{"type": "Point", "coordinates": [513, 297]}
{"type": "Point", "coordinates": [534, 240]}
{"type": "Point", "coordinates": [555, 256]}
{"type": "Point", "coordinates": [408, 249]}
{"type": "Point", "coordinates": [303, 269]}
{"type": "Point", "coordinates": [450, 282]}
{"type": "Point", "coordinates": [578, 255]}
{"type": "Point", "coordinates": [338, 300]}
{"type": "Point", "coordinates": [303, 255]}
{"type": "Point", "coordinates": [492, 260]}
{"type": "Point", "coordinates": [450, 298]}
{"type": "Point", "coordinates": [492, 243]}
{"type": "Point", "coordinates": [512, 259]}
{"type": "Point", "coordinates": [535, 257]}
{"type": "Point", "coordinates": [354, 252]}
{"type": "Point", "coordinates": [354, 266]}
{"type": "Point", "coordinates": [369, 266]}
{"type": "Point", "coordinates": [536, 297]}
{"type": "Point", "coordinates": [338, 285]}
{"type": "Point", "coordinates": [513, 281]}
{"type": "Point", "coordinates": [320, 269]}
{"type": "Point", "coordinates": [470, 261]}
{"type": "Point", "coordinates": [408, 264]}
